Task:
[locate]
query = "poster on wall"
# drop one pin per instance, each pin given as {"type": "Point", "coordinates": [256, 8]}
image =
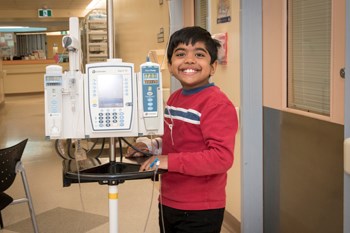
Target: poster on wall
{"type": "Point", "coordinates": [222, 53]}
{"type": "Point", "coordinates": [224, 11]}
{"type": "Point", "coordinates": [2, 41]}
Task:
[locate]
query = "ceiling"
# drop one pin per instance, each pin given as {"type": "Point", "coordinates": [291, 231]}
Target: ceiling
{"type": "Point", "coordinates": [25, 13]}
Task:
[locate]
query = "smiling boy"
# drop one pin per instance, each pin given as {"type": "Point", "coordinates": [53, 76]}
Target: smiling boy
{"type": "Point", "coordinates": [198, 141]}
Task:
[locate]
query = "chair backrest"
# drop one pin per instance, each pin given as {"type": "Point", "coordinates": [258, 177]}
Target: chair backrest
{"type": "Point", "coordinates": [8, 159]}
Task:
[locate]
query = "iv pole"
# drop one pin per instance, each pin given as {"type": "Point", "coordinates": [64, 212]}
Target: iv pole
{"type": "Point", "coordinates": [112, 189]}
{"type": "Point", "coordinates": [113, 175]}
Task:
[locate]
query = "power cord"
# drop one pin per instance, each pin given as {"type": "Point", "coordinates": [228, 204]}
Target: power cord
{"type": "Point", "coordinates": [161, 204]}
{"type": "Point", "coordinates": [137, 149]}
{"type": "Point", "coordinates": [156, 163]}
{"type": "Point", "coordinates": [79, 185]}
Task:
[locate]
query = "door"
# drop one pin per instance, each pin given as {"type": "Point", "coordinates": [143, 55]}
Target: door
{"type": "Point", "coordinates": [252, 138]}
{"type": "Point", "coordinates": [304, 181]}
{"type": "Point", "coordinates": [251, 117]}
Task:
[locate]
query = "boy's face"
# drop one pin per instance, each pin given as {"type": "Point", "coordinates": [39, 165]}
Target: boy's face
{"type": "Point", "coordinates": [190, 64]}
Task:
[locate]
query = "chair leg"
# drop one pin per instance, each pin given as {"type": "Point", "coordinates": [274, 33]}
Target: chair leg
{"type": "Point", "coordinates": [29, 197]}
{"type": "Point", "coordinates": [1, 223]}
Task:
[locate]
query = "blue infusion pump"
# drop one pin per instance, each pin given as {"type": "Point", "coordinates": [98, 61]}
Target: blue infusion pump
{"type": "Point", "coordinates": [150, 87]}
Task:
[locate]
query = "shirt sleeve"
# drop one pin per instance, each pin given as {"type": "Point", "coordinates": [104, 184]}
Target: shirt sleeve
{"type": "Point", "coordinates": [154, 145]}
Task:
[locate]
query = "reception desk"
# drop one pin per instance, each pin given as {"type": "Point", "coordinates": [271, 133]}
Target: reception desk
{"type": "Point", "coordinates": [26, 76]}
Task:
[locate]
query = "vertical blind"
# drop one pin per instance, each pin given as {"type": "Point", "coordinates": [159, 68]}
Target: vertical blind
{"type": "Point", "coordinates": [26, 44]}
{"type": "Point", "coordinates": [201, 13]}
{"type": "Point", "coordinates": [309, 55]}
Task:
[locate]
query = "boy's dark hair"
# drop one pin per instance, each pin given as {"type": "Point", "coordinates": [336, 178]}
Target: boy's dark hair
{"type": "Point", "coordinates": [193, 35]}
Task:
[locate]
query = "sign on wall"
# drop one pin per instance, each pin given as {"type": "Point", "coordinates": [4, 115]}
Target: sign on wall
{"type": "Point", "coordinates": [44, 13]}
{"type": "Point", "coordinates": [224, 11]}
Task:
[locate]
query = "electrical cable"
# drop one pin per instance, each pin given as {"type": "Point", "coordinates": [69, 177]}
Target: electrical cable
{"type": "Point", "coordinates": [156, 163]}
{"type": "Point", "coordinates": [161, 204]}
{"type": "Point", "coordinates": [102, 148]}
{"type": "Point", "coordinates": [79, 184]}
{"type": "Point", "coordinates": [80, 190]}
{"type": "Point", "coordinates": [137, 149]}
{"type": "Point", "coordinates": [69, 143]}
{"type": "Point", "coordinates": [120, 149]}
{"type": "Point", "coordinates": [59, 149]}
{"type": "Point", "coordinates": [90, 149]}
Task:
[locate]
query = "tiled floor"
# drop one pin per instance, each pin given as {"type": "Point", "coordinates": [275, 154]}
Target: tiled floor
{"type": "Point", "coordinates": [23, 117]}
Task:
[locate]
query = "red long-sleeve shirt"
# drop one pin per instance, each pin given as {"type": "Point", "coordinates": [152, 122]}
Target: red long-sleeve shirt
{"type": "Point", "coordinates": [199, 138]}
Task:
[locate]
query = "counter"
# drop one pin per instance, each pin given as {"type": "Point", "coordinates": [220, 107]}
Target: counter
{"type": "Point", "coordinates": [26, 76]}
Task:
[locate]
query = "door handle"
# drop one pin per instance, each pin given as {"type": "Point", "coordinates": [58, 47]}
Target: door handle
{"type": "Point", "coordinates": [342, 72]}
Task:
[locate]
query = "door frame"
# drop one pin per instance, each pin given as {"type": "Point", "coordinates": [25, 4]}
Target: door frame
{"type": "Point", "coordinates": [346, 218]}
{"type": "Point", "coordinates": [251, 117]}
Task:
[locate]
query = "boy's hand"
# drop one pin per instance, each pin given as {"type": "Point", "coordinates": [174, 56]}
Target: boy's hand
{"type": "Point", "coordinates": [131, 153]}
{"type": "Point", "coordinates": [151, 163]}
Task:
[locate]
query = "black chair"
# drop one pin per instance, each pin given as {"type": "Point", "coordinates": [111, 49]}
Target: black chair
{"type": "Point", "coordinates": [10, 165]}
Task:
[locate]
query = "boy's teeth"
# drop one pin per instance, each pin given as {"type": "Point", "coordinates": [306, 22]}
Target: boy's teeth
{"type": "Point", "coordinates": [189, 71]}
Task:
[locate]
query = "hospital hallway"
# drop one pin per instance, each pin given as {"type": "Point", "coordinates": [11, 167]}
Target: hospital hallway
{"type": "Point", "coordinates": [74, 209]}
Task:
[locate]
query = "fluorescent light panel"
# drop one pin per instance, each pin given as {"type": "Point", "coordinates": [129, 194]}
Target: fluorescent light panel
{"type": "Point", "coordinates": [94, 4]}
{"type": "Point", "coordinates": [21, 29]}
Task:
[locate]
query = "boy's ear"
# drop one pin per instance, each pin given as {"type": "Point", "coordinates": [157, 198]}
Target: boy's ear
{"type": "Point", "coordinates": [213, 67]}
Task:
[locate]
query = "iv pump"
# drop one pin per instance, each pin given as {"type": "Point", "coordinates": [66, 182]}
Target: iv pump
{"type": "Point", "coordinates": [110, 100]}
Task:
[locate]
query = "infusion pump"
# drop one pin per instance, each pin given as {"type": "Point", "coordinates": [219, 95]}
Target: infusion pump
{"type": "Point", "coordinates": [110, 100]}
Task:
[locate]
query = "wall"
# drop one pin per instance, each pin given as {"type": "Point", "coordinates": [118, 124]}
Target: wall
{"type": "Point", "coordinates": [51, 40]}
{"type": "Point", "coordinates": [137, 24]}
{"type": "Point", "coordinates": [273, 67]}
{"type": "Point", "coordinates": [227, 78]}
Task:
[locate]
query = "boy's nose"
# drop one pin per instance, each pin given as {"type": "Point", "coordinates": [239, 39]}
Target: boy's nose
{"type": "Point", "coordinates": [190, 59]}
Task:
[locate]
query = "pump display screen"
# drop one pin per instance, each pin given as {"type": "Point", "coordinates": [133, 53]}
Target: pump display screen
{"type": "Point", "coordinates": [110, 91]}
{"type": "Point", "coordinates": [53, 80]}
{"type": "Point", "coordinates": [150, 78]}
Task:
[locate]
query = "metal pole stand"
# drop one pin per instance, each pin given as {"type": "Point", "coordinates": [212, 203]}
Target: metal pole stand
{"type": "Point", "coordinates": [106, 171]}
{"type": "Point", "coordinates": [113, 194]}
{"type": "Point", "coordinates": [113, 208]}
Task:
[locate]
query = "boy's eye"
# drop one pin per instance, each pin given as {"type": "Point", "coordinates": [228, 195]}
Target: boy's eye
{"type": "Point", "coordinates": [180, 54]}
{"type": "Point", "coordinates": [200, 55]}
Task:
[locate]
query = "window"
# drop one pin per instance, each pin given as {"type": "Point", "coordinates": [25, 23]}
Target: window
{"type": "Point", "coordinates": [27, 43]}
{"type": "Point", "coordinates": [309, 55]}
{"type": "Point", "coordinates": [201, 13]}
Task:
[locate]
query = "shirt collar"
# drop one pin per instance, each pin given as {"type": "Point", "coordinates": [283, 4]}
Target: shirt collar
{"type": "Point", "coordinates": [197, 89]}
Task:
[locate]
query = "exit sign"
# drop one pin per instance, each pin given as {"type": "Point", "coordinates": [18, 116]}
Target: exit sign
{"type": "Point", "coordinates": [44, 13]}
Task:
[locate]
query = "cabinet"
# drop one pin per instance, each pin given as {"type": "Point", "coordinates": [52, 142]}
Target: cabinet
{"type": "Point", "coordinates": [96, 36]}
